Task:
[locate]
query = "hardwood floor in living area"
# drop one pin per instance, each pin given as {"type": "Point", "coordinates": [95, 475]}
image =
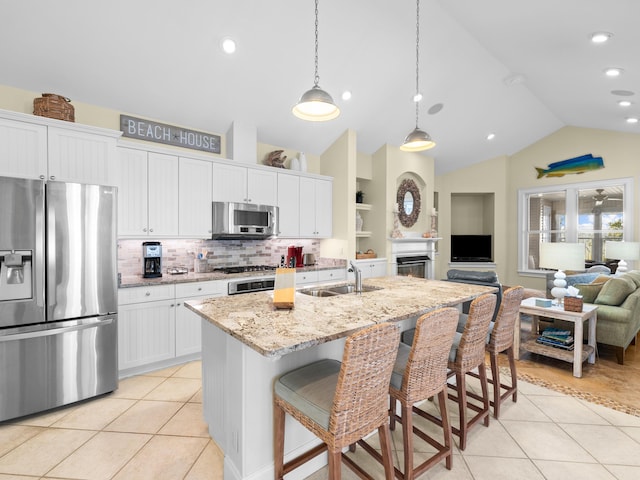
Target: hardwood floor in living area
{"type": "Point", "coordinates": [605, 382]}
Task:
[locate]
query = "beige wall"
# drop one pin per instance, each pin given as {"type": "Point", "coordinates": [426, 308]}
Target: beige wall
{"type": "Point", "coordinates": [505, 175]}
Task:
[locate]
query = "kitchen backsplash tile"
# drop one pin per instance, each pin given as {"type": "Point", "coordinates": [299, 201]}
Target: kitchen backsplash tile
{"type": "Point", "coordinates": [181, 253]}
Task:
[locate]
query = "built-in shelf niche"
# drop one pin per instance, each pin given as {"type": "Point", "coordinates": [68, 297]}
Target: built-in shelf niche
{"type": "Point", "coordinates": [473, 214]}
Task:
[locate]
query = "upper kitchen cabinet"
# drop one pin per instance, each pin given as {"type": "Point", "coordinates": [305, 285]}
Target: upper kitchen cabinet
{"type": "Point", "coordinates": [289, 205]}
{"type": "Point", "coordinates": [38, 147]}
{"type": "Point", "coordinates": [233, 183]}
{"type": "Point", "coordinates": [81, 157]}
{"type": "Point", "coordinates": [147, 193]}
{"type": "Point", "coordinates": [23, 149]}
{"type": "Point", "coordinates": [195, 193]}
{"type": "Point", "coordinates": [316, 207]}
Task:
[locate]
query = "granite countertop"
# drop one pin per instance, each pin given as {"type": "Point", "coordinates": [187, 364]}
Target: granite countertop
{"type": "Point", "coordinates": [252, 318]}
{"type": "Point", "coordinates": [139, 281]}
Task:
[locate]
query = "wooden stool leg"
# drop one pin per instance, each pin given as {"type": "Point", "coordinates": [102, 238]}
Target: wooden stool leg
{"type": "Point", "coordinates": [482, 369]}
{"type": "Point", "coordinates": [335, 464]}
{"type": "Point", "coordinates": [392, 413]}
{"type": "Point", "coordinates": [446, 427]}
{"type": "Point", "coordinates": [407, 440]}
{"type": "Point", "coordinates": [461, 387]}
{"type": "Point", "coordinates": [385, 444]}
{"type": "Point", "coordinates": [495, 376]}
{"type": "Point", "coordinates": [514, 374]}
{"type": "Point", "coordinates": [278, 441]}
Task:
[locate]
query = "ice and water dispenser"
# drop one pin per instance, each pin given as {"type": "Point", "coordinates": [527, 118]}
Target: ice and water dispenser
{"type": "Point", "coordinates": [15, 274]}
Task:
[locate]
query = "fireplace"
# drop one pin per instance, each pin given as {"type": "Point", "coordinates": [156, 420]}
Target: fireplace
{"type": "Point", "coordinates": [413, 256]}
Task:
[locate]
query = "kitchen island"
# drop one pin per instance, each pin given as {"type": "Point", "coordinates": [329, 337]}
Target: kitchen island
{"type": "Point", "coordinates": [247, 343]}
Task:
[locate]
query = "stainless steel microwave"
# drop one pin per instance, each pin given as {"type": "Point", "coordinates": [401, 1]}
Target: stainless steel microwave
{"type": "Point", "coordinates": [232, 220]}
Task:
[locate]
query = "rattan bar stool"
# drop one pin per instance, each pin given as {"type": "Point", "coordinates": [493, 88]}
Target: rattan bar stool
{"type": "Point", "coordinates": [501, 340]}
{"type": "Point", "coordinates": [467, 354]}
{"type": "Point", "coordinates": [420, 373]}
{"type": "Point", "coordinates": [340, 402]}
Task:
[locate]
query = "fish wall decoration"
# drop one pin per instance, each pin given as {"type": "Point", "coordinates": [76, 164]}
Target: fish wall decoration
{"type": "Point", "coordinates": [581, 164]}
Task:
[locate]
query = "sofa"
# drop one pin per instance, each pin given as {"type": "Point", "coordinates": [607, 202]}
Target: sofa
{"type": "Point", "coordinates": [618, 300]}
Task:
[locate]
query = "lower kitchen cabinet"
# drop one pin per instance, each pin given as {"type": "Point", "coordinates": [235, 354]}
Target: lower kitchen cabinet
{"type": "Point", "coordinates": [374, 267]}
{"type": "Point", "coordinates": [155, 329]}
{"type": "Point", "coordinates": [189, 324]}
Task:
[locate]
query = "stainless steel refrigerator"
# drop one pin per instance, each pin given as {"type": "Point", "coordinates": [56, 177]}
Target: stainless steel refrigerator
{"type": "Point", "coordinates": [58, 294]}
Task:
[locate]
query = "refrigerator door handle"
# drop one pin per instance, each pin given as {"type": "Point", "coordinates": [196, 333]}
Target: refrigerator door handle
{"type": "Point", "coordinates": [55, 331]}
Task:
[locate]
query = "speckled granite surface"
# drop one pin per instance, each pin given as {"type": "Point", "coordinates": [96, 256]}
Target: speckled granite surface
{"type": "Point", "coordinates": [138, 281]}
{"type": "Point", "coordinates": [252, 318]}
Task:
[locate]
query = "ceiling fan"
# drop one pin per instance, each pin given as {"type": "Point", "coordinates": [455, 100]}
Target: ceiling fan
{"type": "Point", "coordinates": [600, 197]}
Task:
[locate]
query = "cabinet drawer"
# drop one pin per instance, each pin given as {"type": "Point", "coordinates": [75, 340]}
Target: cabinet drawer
{"type": "Point", "coordinates": [145, 294]}
{"type": "Point", "coordinates": [303, 278]}
{"type": "Point", "coordinates": [214, 287]}
{"type": "Point", "coordinates": [332, 275]}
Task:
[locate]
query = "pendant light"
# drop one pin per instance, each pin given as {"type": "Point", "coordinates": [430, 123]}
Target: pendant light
{"type": "Point", "coordinates": [316, 105]}
{"type": "Point", "coordinates": [417, 140]}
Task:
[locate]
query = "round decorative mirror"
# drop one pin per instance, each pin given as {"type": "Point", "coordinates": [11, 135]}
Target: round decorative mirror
{"type": "Point", "coordinates": [408, 199]}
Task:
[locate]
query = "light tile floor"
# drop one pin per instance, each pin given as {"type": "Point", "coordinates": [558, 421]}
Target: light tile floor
{"type": "Point", "coordinates": [152, 428]}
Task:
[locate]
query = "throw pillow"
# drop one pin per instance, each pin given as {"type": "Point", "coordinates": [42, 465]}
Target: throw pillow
{"type": "Point", "coordinates": [634, 275]}
{"type": "Point", "coordinates": [589, 291]}
{"type": "Point", "coordinates": [615, 291]}
{"type": "Point", "coordinates": [601, 279]}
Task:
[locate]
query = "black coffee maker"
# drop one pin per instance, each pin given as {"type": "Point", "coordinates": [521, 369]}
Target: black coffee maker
{"type": "Point", "coordinates": [151, 259]}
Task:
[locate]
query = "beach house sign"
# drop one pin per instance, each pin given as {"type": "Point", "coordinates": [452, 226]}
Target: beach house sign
{"type": "Point", "coordinates": [168, 134]}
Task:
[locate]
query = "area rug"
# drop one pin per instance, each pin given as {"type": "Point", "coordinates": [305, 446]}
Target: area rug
{"type": "Point", "coordinates": [589, 397]}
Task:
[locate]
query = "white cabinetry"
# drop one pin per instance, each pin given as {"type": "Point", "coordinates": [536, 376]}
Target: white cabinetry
{"type": "Point", "coordinates": [23, 149]}
{"type": "Point", "coordinates": [372, 267]}
{"type": "Point", "coordinates": [156, 329]}
{"type": "Point", "coordinates": [289, 205]}
{"type": "Point", "coordinates": [38, 147]}
{"type": "Point", "coordinates": [195, 192]}
{"type": "Point", "coordinates": [320, 276]}
{"type": "Point", "coordinates": [146, 326]}
{"type": "Point", "coordinates": [147, 193]}
{"type": "Point", "coordinates": [81, 157]}
{"type": "Point", "coordinates": [233, 183]}
{"type": "Point", "coordinates": [316, 207]}
{"type": "Point", "coordinates": [188, 324]}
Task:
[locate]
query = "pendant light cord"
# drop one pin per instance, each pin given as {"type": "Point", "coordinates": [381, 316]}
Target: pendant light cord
{"type": "Point", "coordinates": [417, 56]}
{"type": "Point", "coordinates": [316, 77]}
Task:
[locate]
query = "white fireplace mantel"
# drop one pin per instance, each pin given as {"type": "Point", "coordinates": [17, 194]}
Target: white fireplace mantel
{"type": "Point", "coordinates": [414, 246]}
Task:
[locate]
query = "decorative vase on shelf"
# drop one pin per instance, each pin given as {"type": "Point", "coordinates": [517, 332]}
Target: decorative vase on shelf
{"type": "Point", "coordinates": [295, 164]}
{"type": "Point", "coordinates": [302, 158]}
{"type": "Point", "coordinates": [359, 196]}
{"type": "Point", "coordinates": [359, 222]}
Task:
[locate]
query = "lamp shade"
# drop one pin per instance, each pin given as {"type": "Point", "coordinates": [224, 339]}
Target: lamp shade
{"type": "Point", "coordinates": [562, 256]}
{"type": "Point", "coordinates": [622, 250]}
{"type": "Point", "coordinates": [316, 105]}
{"type": "Point", "coordinates": [417, 141]}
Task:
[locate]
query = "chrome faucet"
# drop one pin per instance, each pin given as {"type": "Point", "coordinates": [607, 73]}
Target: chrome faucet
{"type": "Point", "coordinates": [358, 274]}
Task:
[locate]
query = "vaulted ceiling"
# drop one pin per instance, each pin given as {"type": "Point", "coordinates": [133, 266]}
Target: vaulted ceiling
{"type": "Point", "coordinates": [517, 69]}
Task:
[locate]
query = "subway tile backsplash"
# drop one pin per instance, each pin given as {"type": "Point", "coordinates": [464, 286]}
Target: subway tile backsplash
{"type": "Point", "coordinates": [219, 253]}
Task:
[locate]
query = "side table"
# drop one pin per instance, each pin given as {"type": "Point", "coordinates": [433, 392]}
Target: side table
{"type": "Point", "coordinates": [580, 352]}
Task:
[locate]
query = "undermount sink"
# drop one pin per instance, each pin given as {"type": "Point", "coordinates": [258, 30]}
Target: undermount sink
{"type": "Point", "coordinates": [336, 290]}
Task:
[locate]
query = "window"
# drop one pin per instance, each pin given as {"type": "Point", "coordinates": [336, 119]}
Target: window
{"type": "Point", "coordinates": [589, 213]}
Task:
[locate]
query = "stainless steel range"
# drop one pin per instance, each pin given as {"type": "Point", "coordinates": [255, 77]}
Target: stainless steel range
{"type": "Point", "coordinates": [253, 284]}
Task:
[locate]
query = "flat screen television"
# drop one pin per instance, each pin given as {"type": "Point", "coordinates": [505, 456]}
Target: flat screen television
{"type": "Point", "coordinates": [471, 248]}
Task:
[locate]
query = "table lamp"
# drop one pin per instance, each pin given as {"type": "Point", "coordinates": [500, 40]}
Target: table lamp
{"type": "Point", "coordinates": [622, 251]}
{"type": "Point", "coordinates": [561, 256]}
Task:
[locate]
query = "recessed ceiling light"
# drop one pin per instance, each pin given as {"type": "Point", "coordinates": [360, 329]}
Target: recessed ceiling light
{"type": "Point", "coordinates": [491, 136]}
{"type": "Point", "coordinates": [228, 45]}
{"type": "Point", "coordinates": [346, 95]}
{"type": "Point", "coordinates": [417, 97]}
{"type": "Point", "coordinates": [624, 103]}
{"type": "Point", "coordinates": [632, 120]}
{"type": "Point", "coordinates": [613, 72]}
{"type": "Point", "coordinates": [600, 37]}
